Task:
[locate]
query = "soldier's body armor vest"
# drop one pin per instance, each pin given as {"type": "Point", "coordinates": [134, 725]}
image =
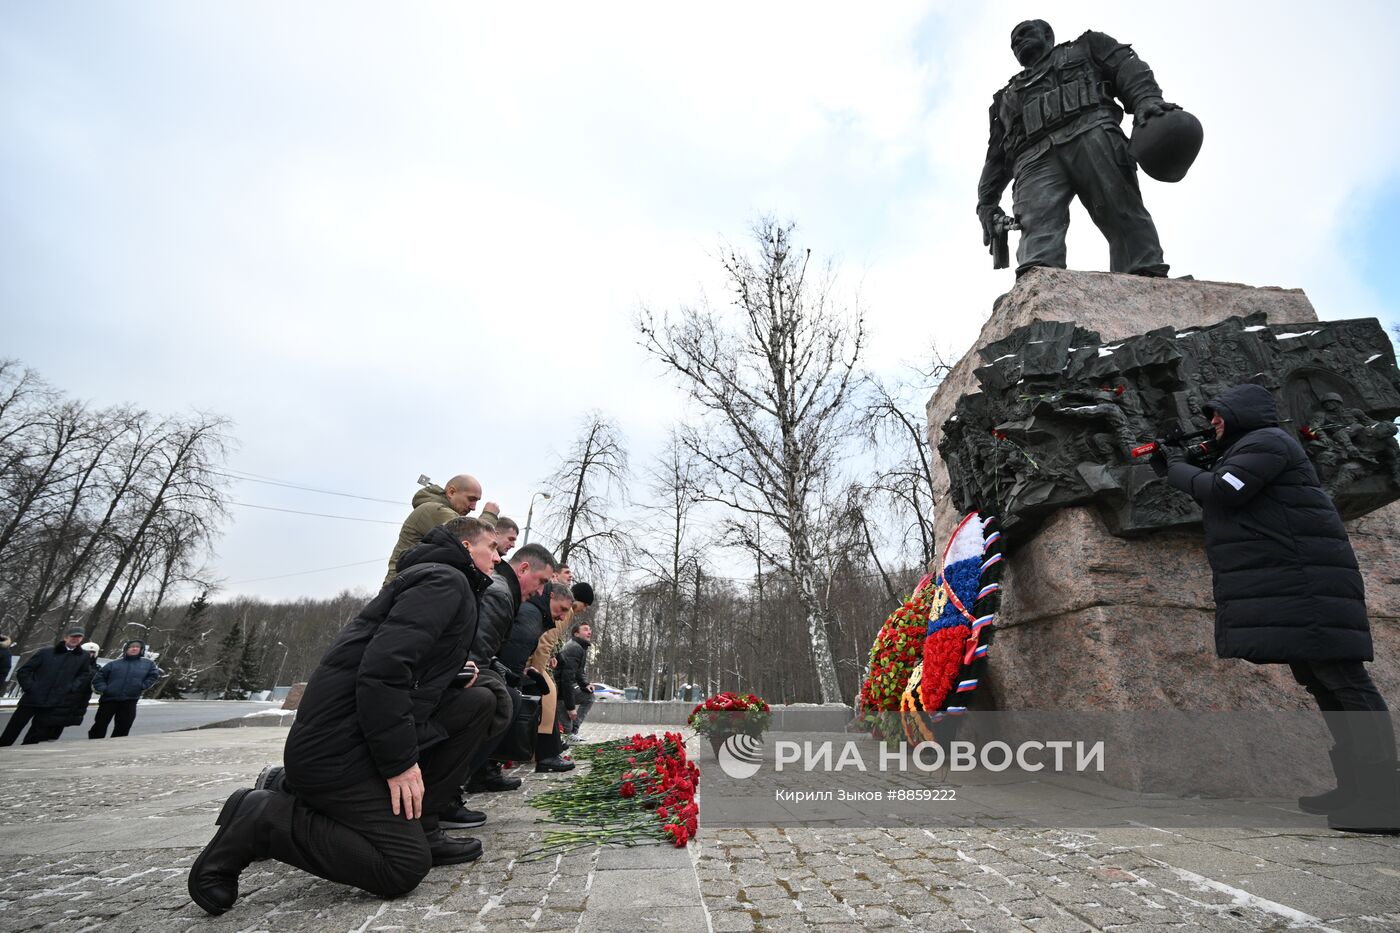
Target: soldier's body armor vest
{"type": "Point", "coordinates": [1056, 92]}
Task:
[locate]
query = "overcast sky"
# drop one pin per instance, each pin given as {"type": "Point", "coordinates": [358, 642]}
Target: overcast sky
{"type": "Point", "coordinates": [412, 238]}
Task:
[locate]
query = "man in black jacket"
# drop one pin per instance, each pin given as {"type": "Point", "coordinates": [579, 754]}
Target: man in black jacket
{"type": "Point", "coordinates": [516, 580]}
{"type": "Point", "coordinates": [575, 695]}
{"type": "Point", "coordinates": [1288, 591]}
{"type": "Point", "coordinates": [52, 679]}
{"type": "Point", "coordinates": [120, 684]}
{"type": "Point", "coordinates": [538, 616]}
{"type": "Point", "coordinates": [385, 709]}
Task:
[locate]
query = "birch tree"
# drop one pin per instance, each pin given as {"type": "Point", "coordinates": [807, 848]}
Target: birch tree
{"type": "Point", "coordinates": [775, 380]}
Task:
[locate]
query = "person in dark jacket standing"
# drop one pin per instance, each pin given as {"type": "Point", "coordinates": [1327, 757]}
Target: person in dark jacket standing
{"type": "Point", "coordinates": [575, 695]}
{"type": "Point", "coordinates": [6, 659]}
{"type": "Point", "coordinates": [393, 707]}
{"type": "Point", "coordinates": [52, 680]}
{"type": "Point", "coordinates": [1288, 591]}
{"type": "Point", "coordinates": [119, 685]}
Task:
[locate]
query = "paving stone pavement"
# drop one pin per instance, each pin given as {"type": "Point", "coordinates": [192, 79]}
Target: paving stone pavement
{"type": "Point", "coordinates": [100, 835]}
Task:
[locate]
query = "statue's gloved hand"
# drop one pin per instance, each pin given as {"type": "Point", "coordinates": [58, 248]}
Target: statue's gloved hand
{"type": "Point", "coordinates": [994, 220]}
{"type": "Point", "coordinates": [1151, 107]}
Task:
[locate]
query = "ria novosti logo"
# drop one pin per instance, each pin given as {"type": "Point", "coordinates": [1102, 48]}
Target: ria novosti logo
{"type": "Point", "coordinates": [740, 756]}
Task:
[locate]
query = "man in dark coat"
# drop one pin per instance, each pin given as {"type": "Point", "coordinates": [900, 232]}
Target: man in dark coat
{"type": "Point", "coordinates": [385, 709]}
{"type": "Point", "coordinates": [120, 684]}
{"type": "Point", "coordinates": [1288, 591]}
{"type": "Point", "coordinates": [538, 615]}
{"type": "Point", "coordinates": [575, 695]}
{"type": "Point", "coordinates": [52, 680]}
{"type": "Point", "coordinates": [516, 580]}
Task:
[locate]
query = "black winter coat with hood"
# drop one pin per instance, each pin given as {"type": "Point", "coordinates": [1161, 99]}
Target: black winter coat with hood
{"type": "Point", "coordinates": [368, 706]}
{"type": "Point", "coordinates": [1286, 582]}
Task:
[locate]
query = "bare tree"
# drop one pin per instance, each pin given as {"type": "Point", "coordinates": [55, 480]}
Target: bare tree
{"type": "Point", "coordinates": [586, 486]}
{"type": "Point", "coordinates": [776, 388]}
{"type": "Point", "coordinates": [181, 477]}
{"type": "Point", "coordinates": [87, 500]}
{"type": "Point", "coordinates": [895, 429]}
{"type": "Point", "coordinates": [667, 555]}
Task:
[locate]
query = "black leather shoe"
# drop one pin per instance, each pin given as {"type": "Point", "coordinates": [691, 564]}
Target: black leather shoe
{"type": "Point", "coordinates": [553, 764]}
{"type": "Point", "coordinates": [491, 780]}
{"type": "Point", "coordinates": [450, 850]}
{"type": "Point", "coordinates": [459, 817]}
{"type": "Point", "coordinates": [213, 881]}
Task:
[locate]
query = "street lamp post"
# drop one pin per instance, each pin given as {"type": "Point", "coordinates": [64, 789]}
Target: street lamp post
{"type": "Point", "coordinates": [530, 515]}
{"type": "Point", "coordinates": [278, 679]}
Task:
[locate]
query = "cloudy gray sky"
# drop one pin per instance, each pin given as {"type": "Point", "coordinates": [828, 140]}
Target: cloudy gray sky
{"type": "Point", "coordinates": [411, 238]}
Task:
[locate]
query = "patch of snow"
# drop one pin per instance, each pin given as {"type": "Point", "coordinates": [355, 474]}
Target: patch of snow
{"type": "Point", "coordinates": [1252, 329]}
{"type": "Point", "coordinates": [1306, 333]}
{"type": "Point", "coordinates": [1372, 359]}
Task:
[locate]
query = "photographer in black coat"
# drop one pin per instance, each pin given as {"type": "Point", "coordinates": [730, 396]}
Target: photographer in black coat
{"type": "Point", "coordinates": [1288, 591]}
{"type": "Point", "coordinates": [381, 739]}
{"type": "Point", "coordinates": [56, 682]}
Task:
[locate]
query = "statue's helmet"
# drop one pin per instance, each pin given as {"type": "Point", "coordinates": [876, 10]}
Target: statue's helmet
{"type": "Point", "coordinates": [1330, 397]}
{"type": "Point", "coordinates": [1167, 144]}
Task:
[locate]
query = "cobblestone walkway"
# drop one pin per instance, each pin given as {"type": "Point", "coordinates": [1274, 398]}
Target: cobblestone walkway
{"type": "Point", "coordinates": [101, 835]}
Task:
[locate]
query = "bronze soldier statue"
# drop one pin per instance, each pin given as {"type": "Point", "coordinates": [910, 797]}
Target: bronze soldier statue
{"type": "Point", "coordinates": [1055, 131]}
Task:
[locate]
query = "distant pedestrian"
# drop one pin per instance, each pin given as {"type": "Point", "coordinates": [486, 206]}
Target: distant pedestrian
{"type": "Point", "coordinates": [6, 659]}
{"type": "Point", "coordinates": [52, 680]}
{"type": "Point", "coordinates": [120, 684]}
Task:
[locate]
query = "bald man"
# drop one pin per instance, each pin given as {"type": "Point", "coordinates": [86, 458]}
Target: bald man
{"type": "Point", "coordinates": [433, 506]}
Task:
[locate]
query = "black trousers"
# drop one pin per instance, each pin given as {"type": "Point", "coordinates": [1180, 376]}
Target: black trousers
{"type": "Point", "coordinates": [39, 732]}
{"type": "Point", "coordinates": [349, 834]}
{"type": "Point", "coordinates": [1352, 707]}
{"type": "Point", "coordinates": [124, 711]}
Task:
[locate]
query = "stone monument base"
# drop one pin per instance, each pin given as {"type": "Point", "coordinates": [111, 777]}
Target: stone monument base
{"type": "Point", "coordinates": [1090, 621]}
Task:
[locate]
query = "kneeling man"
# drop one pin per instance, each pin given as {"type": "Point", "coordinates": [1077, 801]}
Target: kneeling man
{"type": "Point", "coordinates": [381, 740]}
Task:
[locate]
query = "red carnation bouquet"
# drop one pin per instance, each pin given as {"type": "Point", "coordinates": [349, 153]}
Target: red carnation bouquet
{"type": "Point", "coordinates": [730, 714]}
{"type": "Point", "coordinates": [638, 791]}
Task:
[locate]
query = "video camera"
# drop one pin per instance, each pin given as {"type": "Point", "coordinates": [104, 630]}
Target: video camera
{"type": "Point", "coordinates": [1201, 446]}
